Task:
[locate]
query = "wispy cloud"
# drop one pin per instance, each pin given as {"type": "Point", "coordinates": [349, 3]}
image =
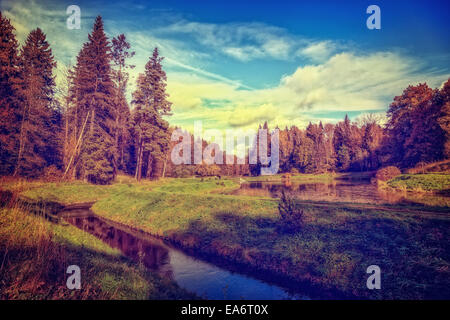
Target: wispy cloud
{"type": "Point", "coordinates": [243, 41]}
{"type": "Point", "coordinates": [318, 51]}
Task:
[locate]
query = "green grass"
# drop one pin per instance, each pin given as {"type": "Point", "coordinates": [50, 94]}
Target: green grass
{"type": "Point", "coordinates": [332, 251]}
{"type": "Point", "coordinates": [421, 182]}
{"type": "Point", "coordinates": [198, 185]}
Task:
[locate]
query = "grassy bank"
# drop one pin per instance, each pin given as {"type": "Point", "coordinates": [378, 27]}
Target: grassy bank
{"type": "Point", "coordinates": [35, 254]}
{"type": "Point", "coordinates": [421, 182]}
{"type": "Point", "coordinates": [331, 251]}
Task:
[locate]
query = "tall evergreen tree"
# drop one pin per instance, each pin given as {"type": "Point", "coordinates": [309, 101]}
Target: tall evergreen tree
{"type": "Point", "coordinates": [151, 131]}
{"type": "Point", "coordinates": [95, 113]}
{"type": "Point", "coordinates": [120, 54]}
{"type": "Point", "coordinates": [9, 106]}
{"type": "Point", "coordinates": [40, 120]}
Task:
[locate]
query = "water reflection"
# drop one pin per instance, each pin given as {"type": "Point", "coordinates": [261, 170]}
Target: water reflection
{"type": "Point", "coordinates": [152, 253]}
{"type": "Point", "coordinates": [338, 191]}
{"type": "Point", "coordinates": [206, 279]}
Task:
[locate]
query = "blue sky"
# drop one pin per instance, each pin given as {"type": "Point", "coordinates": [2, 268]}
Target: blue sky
{"type": "Point", "coordinates": [237, 63]}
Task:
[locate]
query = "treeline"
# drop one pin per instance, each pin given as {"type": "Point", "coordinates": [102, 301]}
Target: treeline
{"type": "Point", "coordinates": [417, 131]}
{"type": "Point", "coordinates": [86, 129]}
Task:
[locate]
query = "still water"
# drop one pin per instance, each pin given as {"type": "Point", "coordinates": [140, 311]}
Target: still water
{"type": "Point", "coordinates": [203, 278]}
{"type": "Point", "coordinates": [339, 191]}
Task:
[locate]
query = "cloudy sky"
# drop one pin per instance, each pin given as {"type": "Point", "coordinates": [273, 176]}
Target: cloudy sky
{"type": "Point", "coordinates": [235, 64]}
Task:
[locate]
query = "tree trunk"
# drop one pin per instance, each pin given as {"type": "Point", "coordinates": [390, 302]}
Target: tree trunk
{"type": "Point", "coordinates": [77, 144]}
{"type": "Point", "coordinates": [22, 137]}
{"type": "Point", "coordinates": [139, 160]}
{"type": "Point", "coordinates": [164, 168]}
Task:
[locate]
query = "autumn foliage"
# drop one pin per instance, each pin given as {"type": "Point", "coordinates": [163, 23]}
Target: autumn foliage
{"type": "Point", "coordinates": [387, 173]}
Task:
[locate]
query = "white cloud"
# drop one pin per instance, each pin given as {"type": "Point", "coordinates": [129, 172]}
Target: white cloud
{"type": "Point", "coordinates": [318, 51]}
{"type": "Point", "coordinates": [243, 41]}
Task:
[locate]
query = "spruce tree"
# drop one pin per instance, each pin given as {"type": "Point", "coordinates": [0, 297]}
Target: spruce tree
{"type": "Point", "coordinates": [94, 96]}
{"type": "Point", "coordinates": [39, 118]}
{"type": "Point", "coordinates": [151, 131]}
{"type": "Point", "coordinates": [120, 54]}
{"type": "Point", "coordinates": [9, 107]}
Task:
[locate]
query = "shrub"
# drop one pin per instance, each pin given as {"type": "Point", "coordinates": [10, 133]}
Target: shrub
{"type": "Point", "coordinates": [291, 215]}
{"type": "Point", "coordinates": [52, 174]}
{"type": "Point", "coordinates": [387, 173]}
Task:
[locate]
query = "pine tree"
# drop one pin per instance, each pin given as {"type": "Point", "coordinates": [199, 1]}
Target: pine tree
{"type": "Point", "coordinates": [120, 54]}
{"type": "Point", "coordinates": [40, 120]}
{"type": "Point", "coordinates": [94, 113]}
{"type": "Point", "coordinates": [151, 131]}
{"type": "Point", "coordinates": [9, 106]}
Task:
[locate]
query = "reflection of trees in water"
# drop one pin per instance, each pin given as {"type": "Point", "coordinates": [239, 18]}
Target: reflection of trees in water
{"type": "Point", "coordinates": [344, 192]}
{"type": "Point", "coordinates": [151, 254]}
{"type": "Point", "coordinates": [391, 196]}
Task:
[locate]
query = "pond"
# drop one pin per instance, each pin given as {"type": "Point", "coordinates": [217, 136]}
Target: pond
{"type": "Point", "coordinates": [361, 191]}
{"type": "Point", "coordinates": [195, 275]}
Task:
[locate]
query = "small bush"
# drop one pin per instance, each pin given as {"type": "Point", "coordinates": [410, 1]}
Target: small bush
{"type": "Point", "coordinates": [52, 174]}
{"type": "Point", "coordinates": [291, 215]}
{"type": "Point", "coordinates": [388, 173]}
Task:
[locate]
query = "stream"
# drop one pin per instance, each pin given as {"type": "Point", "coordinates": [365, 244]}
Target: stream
{"type": "Point", "coordinates": [207, 280]}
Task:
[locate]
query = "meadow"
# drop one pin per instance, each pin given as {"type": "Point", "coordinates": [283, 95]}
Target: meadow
{"type": "Point", "coordinates": [330, 253]}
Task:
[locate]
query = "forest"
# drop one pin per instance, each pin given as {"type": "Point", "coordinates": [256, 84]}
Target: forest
{"type": "Point", "coordinates": [86, 129]}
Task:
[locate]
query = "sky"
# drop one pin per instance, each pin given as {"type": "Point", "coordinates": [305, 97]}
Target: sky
{"type": "Point", "coordinates": [235, 64]}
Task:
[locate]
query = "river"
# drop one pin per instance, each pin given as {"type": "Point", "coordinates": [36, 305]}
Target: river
{"type": "Point", "coordinates": [207, 280]}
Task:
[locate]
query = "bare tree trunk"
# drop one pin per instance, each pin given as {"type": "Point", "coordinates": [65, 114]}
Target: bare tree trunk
{"type": "Point", "coordinates": [149, 166]}
{"type": "Point", "coordinates": [77, 144]}
{"type": "Point", "coordinates": [139, 160]}
{"type": "Point", "coordinates": [137, 163]}
{"type": "Point", "coordinates": [116, 138]}
{"type": "Point", "coordinates": [66, 137]}
{"type": "Point", "coordinates": [141, 154]}
{"type": "Point", "coordinates": [22, 136]}
{"type": "Point", "coordinates": [164, 168]}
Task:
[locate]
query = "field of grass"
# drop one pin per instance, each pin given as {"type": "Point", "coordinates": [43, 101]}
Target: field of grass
{"type": "Point", "coordinates": [421, 182]}
{"type": "Point", "coordinates": [331, 251]}
{"type": "Point", "coordinates": [35, 253]}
